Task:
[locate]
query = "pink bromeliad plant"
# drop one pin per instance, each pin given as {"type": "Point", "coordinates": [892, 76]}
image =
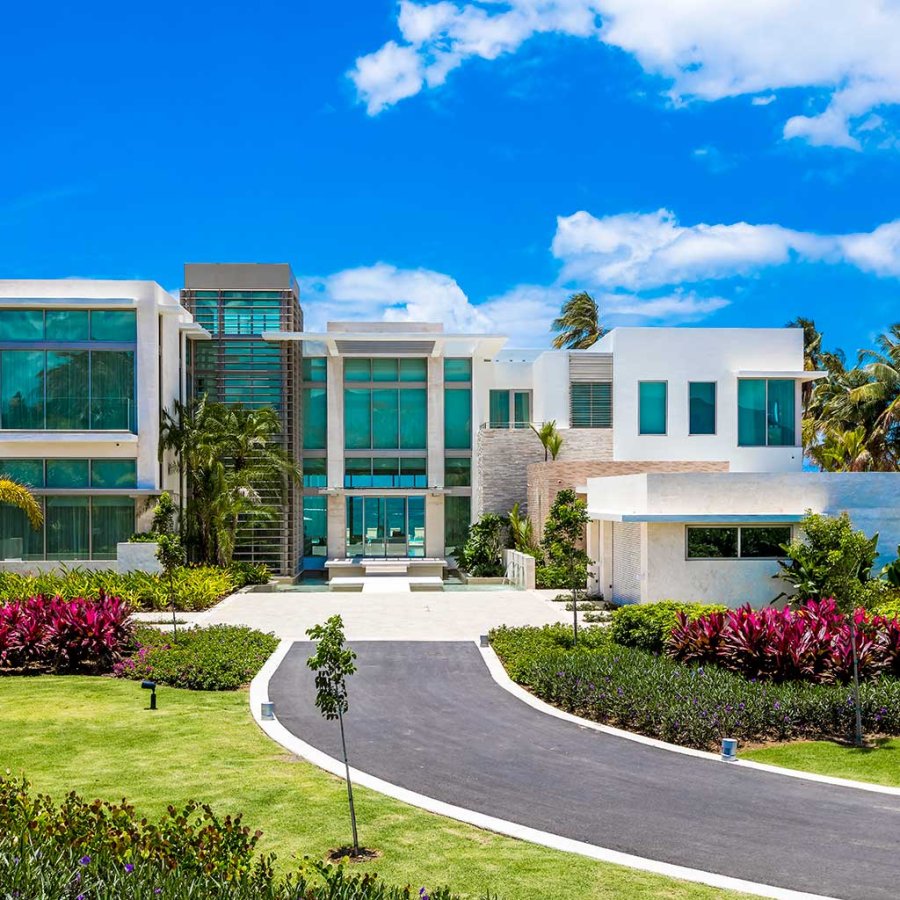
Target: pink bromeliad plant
{"type": "Point", "coordinates": [64, 635]}
{"type": "Point", "coordinates": [811, 643]}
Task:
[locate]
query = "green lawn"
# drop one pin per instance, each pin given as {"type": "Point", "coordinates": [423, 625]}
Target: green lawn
{"type": "Point", "coordinates": [879, 763]}
{"type": "Point", "coordinates": [96, 736]}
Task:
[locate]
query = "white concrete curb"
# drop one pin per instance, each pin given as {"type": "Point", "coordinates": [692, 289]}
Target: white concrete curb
{"type": "Point", "coordinates": [499, 674]}
{"type": "Point", "coordinates": [259, 694]}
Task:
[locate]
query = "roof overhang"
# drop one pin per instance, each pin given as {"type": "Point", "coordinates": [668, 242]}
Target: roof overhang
{"type": "Point", "coordinates": [794, 374]}
{"type": "Point", "coordinates": [394, 343]}
{"type": "Point", "coordinates": [698, 518]}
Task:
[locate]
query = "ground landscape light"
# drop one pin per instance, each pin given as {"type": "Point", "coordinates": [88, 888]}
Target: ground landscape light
{"type": "Point", "coordinates": [148, 685]}
{"type": "Point", "coordinates": [729, 749]}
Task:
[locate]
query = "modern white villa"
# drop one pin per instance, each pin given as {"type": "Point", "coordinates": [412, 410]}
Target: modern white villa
{"type": "Point", "coordinates": [684, 441]}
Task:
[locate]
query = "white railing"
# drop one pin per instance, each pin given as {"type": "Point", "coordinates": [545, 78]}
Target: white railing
{"type": "Point", "coordinates": [520, 569]}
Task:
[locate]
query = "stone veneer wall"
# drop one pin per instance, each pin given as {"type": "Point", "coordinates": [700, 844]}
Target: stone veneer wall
{"type": "Point", "coordinates": [547, 479]}
{"type": "Point", "coordinates": [504, 456]}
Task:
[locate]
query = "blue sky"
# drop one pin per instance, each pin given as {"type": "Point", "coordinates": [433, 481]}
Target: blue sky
{"type": "Point", "coordinates": [468, 161]}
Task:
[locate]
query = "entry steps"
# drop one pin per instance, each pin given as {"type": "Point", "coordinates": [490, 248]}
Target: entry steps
{"type": "Point", "coordinates": [386, 584]}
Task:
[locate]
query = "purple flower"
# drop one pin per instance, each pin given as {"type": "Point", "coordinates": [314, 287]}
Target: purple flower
{"type": "Point", "coordinates": [424, 894]}
{"type": "Point", "coordinates": [85, 860]}
{"type": "Point", "coordinates": [129, 868]}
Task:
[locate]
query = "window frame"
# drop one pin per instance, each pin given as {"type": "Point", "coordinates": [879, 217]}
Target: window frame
{"type": "Point", "coordinates": [797, 432]}
{"type": "Point", "coordinates": [739, 547]}
{"type": "Point", "coordinates": [665, 431]}
{"type": "Point", "coordinates": [715, 408]}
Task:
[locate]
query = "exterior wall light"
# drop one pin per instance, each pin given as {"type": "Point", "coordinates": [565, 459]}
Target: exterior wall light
{"type": "Point", "coordinates": [729, 750]}
{"type": "Point", "coordinates": [150, 686]}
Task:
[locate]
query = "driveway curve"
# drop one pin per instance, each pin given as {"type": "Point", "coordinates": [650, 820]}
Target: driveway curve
{"type": "Point", "coordinates": [429, 717]}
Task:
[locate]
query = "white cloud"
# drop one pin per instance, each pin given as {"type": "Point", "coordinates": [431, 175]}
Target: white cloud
{"type": "Point", "coordinates": [877, 251]}
{"type": "Point", "coordinates": [706, 49]}
{"type": "Point", "coordinates": [679, 306]}
{"type": "Point", "coordinates": [763, 100]}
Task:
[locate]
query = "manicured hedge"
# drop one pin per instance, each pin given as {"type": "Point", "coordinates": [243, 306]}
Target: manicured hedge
{"type": "Point", "coordinates": [692, 705]}
{"type": "Point", "coordinates": [194, 588]}
{"type": "Point", "coordinates": [52, 634]}
{"type": "Point", "coordinates": [811, 643]}
{"type": "Point", "coordinates": [219, 658]}
{"type": "Point", "coordinates": [100, 850]}
{"type": "Point", "coordinates": [648, 625]}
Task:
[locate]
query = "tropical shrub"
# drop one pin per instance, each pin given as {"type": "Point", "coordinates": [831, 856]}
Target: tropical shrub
{"type": "Point", "coordinates": [521, 533]}
{"type": "Point", "coordinates": [193, 588]}
{"type": "Point", "coordinates": [79, 849]}
{"type": "Point", "coordinates": [219, 658]}
{"type": "Point", "coordinates": [688, 704]}
{"type": "Point", "coordinates": [518, 648]}
{"type": "Point", "coordinates": [244, 573]}
{"type": "Point", "coordinates": [482, 553]}
{"type": "Point", "coordinates": [49, 633]}
{"type": "Point", "coordinates": [812, 643]}
{"type": "Point", "coordinates": [648, 625]}
{"type": "Point", "coordinates": [565, 560]}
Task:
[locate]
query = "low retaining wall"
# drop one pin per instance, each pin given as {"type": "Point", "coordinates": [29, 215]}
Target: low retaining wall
{"type": "Point", "coordinates": [130, 557]}
{"type": "Point", "coordinates": [520, 569]}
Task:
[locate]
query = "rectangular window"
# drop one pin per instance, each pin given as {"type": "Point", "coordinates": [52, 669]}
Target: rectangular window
{"type": "Point", "coordinates": [413, 423]}
{"type": "Point", "coordinates": [357, 369]}
{"type": "Point", "coordinates": [652, 407]}
{"type": "Point", "coordinates": [113, 473]}
{"type": "Point", "coordinates": [315, 529]}
{"type": "Point", "coordinates": [67, 325]}
{"type": "Point", "coordinates": [357, 418]}
{"type": "Point", "coordinates": [112, 390]}
{"type": "Point", "coordinates": [26, 471]}
{"type": "Point", "coordinates": [499, 409]}
{"type": "Point", "coordinates": [21, 324]}
{"type": "Point", "coordinates": [315, 418]}
{"type": "Point", "coordinates": [764, 542]}
{"type": "Point", "coordinates": [712, 543]}
{"type": "Point", "coordinates": [766, 411]}
{"type": "Point", "coordinates": [457, 516]}
{"type": "Point", "coordinates": [521, 409]}
{"type": "Point", "coordinates": [68, 528]}
{"type": "Point", "coordinates": [457, 369]}
{"type": "Point", "coordinates": [22, 389]}
{"type": "Point", "coordinates": [385, 370]}
{"type": "Point", "coordinates": [112, 522]}
{"type": "Point", "coordinates": [18, 540]}
{"type": "Point", "coordinates": [385, 472]}
{"type": "Point", "coordinates": [67, 390]}
{"type": "Point", "coordinates": [702, 402]}
{"type": "Point", "coordinates": [315, 368]}
{"type": "Point", "coordinates": [358, 471]}
{"type": "Point", "coordinates": [113, 325]}
{"type": "Point", "coordinates": [591, 404]}
{"type": "Point", "coordinates": [457, 471]}
{"type": "Point", "coordinates": [68, 473]}
{"type": "Point", "coordinates": [413, 472]}
{"type": "Point", "coordinates": [385, 419]}
{"type": "Point", "coordinates": [413, 369]}
{"type": "Point", "coordinates": [315, 472]}
{"type": "Point", "coordinates": [458, 419]}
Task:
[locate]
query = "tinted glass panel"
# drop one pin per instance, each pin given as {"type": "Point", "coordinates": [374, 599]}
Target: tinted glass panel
{"type": "Point", "coordinates": [25, 471]}
{"type": "Point", "coordinates": [112, 521]}
{"type": "Point", "coordinates": [112, 390]}
{"type": "Point", "coordinates": [67, 390]}
{"type": "Point", "coordinates": [458, 419]}
{"type": "Point", "coordinates": [67, 325]}
{"type": "Point", "coordinates": [315, 527]}
{"type": "Point", "coordinates": [457, 471]}
{"type": "Point", "coordinates": [702, 396]}
{"type": "Point", "coordinates": [315, 471]}
{"type": "Point", "coordinates": [385, 421]}
{"type": "Point", "coordinates": [21, 324]}
{"type": "Point", "coordinates": [413, 418]}
{"type": "Point", "coordinates": [780, 412]}
{"type": "Point", "coordinates": [457, 512]}
{"type": "Point", "coordinates": [413, 472]}
{"type": "Point", "coordinates": [416, 527]}
{"type": "Point", "coordinates": [385, 472]}
{"type": "Point", "coordinates": [357, 419]}
{"type": "Point", "coordinates": [68, 528]}
{"type": "Point", "coordinates": [22, 389]}
{"type": "Point", "coordinates": [113, 473]}
{"type": "Point", "coordinates": [384, 370]}
{"type": "Point", "coordinates": [751, 412]}
{"type": "Point", "coordinates": [315, 368]}
{"type": "Point", "coordinates": [357, 369]}
{"type": "Point", "coordinates": [68, 473]}
{"type": "Point", "coordinates": [764, 542]}
{"type": "Point", "coordinates": [652, 407]}
{"type": "Point", "coordinates": [521, 409]}
{"type": "Point", "coordinates": [315, 418]}
{"type": "Point", "coordinates": [18, 540]}
{"type": "Point", "coordinates": [712, 543]}
{"type": "Point", "coordinates": [457, 369]}
{"type": "Point", "coordinates": [113, 325]}
{"type": "Point", "coordinates": [499, 409]}
{"type": "Point", "coordinates": [413, 370]}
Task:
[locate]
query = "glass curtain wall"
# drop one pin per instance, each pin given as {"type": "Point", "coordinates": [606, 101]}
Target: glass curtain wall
{"type": "Point", "coordinates": [386, 526]}
{"type": "Point", "coordinates": [766, 412]}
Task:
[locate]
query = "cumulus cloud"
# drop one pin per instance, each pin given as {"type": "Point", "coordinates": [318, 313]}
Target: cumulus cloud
{"type": "Point", "coordinates": [677, 307]}
{"type": "Point", "coordinates": [705, 49]}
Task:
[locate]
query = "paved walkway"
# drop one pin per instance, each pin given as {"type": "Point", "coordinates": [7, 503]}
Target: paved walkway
{"type": "Point", "coordinates": [429, 717]}
{"type": "Point", "coordinates": [417, 615]}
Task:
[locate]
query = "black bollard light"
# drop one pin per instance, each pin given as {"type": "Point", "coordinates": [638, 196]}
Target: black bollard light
{"type": "Point", "coordinates": [148, 685]}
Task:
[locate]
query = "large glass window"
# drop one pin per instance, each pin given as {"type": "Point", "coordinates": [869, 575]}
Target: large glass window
{"type": "Point", "coordinates": [112, 390]}
{"type": "Point", "coordinates": [18, 540]}
{"type": "Point", "coordinates": [385, 472]}
{"type": "Point", "coordinates": [315, 368]}
{"type": "Point", "coordinates": [25, 471]}
{"type": "Point", "coordinates": [591, 404]}
{"type": "Point", "coordinates": [315, 418]}
{"type": "Point", "coordinates": [315, 471]}
{"type": "Point", "coordinates": [413, 419]}
{"type": "Point", "coordinates": [652, 407]}
{"type": "Point", "coordinates": [68, 473]}
{"type": "Point", "coordinates": [385, 526]}
{"type": "Point", "coordinates": [458, 418]}
{"type": "Point", "coordinates": [737, 542]}
{"type": "Point", "coordinates": [766, 411]}
{"type": "Point", "coordinates": [113, 325]}
{"type": "Point", "coordinates": [68, 527]}
{"type": "Point", "coordinates": [457, 516]}
{"type": "Point", "coordinates": [457, 369]}
{"type": "Point", "coordinates": [357, 369]}
{"type": "Point", "coordinates": [385, 369]}
{"type": "Point", "coordinates": [112, 521]}
{"type": "Point", "coordinates": [702, 402]}
{"type": "Point", "coordinates": [499, 409]}
{"type": "Point", "coordinates": [413, 369]}
{"type": "Point", "coordinates": [21, 324]}
{"type": "Point", "coordinates": [385, 418]}
{"type": "Point", "coordinates": [67, 390]}
{"type": "Point", "coordinates": [113, 473]}
{"type": "Point", "coordinates": [315, 530]}
{"type": "Point", "coordinates": [457, 471]}
{"type": "Point", "coordinates": [67, 325]}
{"type": "Point", "coordinates": [22, 389]}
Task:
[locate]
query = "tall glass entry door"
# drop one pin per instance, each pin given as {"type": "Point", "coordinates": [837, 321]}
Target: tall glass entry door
{"type": "Point", "coordinates": [385, 526]}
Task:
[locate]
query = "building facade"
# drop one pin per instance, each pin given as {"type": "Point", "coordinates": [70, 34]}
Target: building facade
{"type": "Point", "coordinates": [686, 442]}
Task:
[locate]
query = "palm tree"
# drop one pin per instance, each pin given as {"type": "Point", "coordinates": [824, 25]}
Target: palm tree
{"type": "Point", "coordinates": [549, 438]}
{"type": "Point", "coordinates": [812, 353]}
{"type": "Point", "coordinates": [14, 494]}
{"type": "Point", "coordinates": [578, 323]}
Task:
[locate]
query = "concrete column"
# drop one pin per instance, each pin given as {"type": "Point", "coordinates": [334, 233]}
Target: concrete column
{"type": "Point", "coordinates": [434, 526]}
{"type": "Point", "coordinates": [147, 392]}
{"type": "Point", "coordinates": [337, 528]}
{"type": "Point", "coordinates": [436, 422]}
{"type": "Point", "coordinates": [335, 441]}
{"type": "Point", "coordinates": [595, 553]}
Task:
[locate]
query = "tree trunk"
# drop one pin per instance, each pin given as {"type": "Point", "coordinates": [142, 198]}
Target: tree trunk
{"type": "Point", "coordinates": [349, 786]}
{"type": "Point", "coordinates": [858, 734]}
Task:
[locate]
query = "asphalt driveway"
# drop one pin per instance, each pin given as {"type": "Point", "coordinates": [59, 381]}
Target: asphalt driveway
{"type": "Point", "coordinates": [428, 716]}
